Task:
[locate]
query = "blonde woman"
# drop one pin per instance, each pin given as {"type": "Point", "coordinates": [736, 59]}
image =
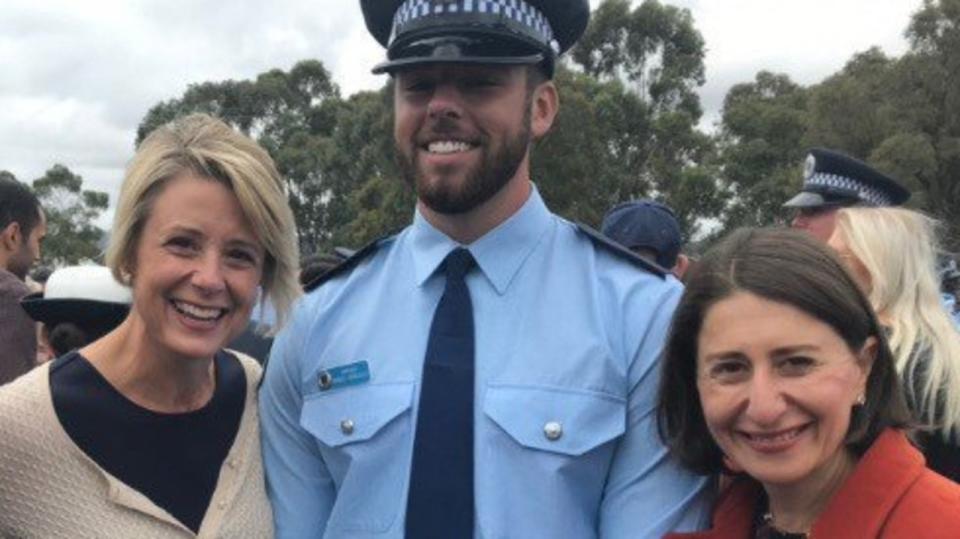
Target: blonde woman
{"type": "Point", "coordinates": [892, 254]}
{"type": "Point", "coordinates": [152, 430]}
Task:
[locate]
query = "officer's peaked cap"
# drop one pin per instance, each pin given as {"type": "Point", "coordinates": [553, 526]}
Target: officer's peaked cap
{"type": "Point", "coordinates": [505, 32]}
{"type": "Point", "coordinates": [832, 179]}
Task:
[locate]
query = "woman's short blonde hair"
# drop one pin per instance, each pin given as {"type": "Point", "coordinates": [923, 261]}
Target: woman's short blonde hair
{"type": "Point", "coordinates": [204, 146]}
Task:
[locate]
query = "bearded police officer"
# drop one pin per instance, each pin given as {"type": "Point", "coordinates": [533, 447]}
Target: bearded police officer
{"type": "Point", "coordinates": [491, 370]}
{"type": "Point", "coordinates": [832, 180]}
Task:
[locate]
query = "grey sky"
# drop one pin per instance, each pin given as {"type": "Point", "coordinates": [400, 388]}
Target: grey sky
{"type": "Point", "coordinates": [79, 76]}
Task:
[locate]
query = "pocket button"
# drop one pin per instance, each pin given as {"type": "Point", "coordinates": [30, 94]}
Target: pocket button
{"type": "Point", "coordinates": [553, 430]}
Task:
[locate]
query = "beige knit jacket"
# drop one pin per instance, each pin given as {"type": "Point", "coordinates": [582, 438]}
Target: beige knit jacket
{"type": "Point", "coordinates": [49, 488]}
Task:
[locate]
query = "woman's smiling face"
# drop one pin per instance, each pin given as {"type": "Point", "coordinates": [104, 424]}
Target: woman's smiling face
{"type": "Point", "coordinates": [198, 266]}
{"type": "Point", "coordinates": [777, 387]}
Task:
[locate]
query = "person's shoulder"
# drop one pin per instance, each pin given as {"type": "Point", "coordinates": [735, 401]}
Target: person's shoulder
{"type": "Point", "coordinates": [27, 388]}
{"type": "Point", "coordinates": [610, 251]}
{"type": "Point", "coordinates": [26, 412]}
{"type": "Point", "coordinates": [929, 508]}
{"type": "Point", "coordinates": [934, 489]}
{"type": "Point", "coordinates": [251, 367]}
{"type": "Point", "coordinates": [365, 254]}
{"type": "Point", "coordinates": [11, 287]}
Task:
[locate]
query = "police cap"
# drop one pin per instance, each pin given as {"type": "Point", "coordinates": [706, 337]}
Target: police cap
{"type": "Point", "coordinates": [832, 179]}
{"type": "Point", "coordinates": [508, 32]}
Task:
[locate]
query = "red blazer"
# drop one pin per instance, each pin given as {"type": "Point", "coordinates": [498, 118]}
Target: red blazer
{"type": "Point", "coordinates": [891, 494]}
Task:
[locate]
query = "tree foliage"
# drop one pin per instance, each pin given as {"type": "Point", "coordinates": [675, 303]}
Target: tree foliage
{"type": "Point", "coordinates": [72, 237]}
{"type": "Point", "coordinates": [294, 116]}
{"type": "Point", "coordinates": [604, 149]}
{"type": "Point", "coordinates": [627, 128]}
{"type": "Point", "coordinates": [621, 133]}
{"type": "Point", "coordinates": [637, 95]}
{"type": "Point", "coordinates": [655, 48]}
{"type": "Point", "coordinates": [902, 115]}
{"type": "Point", "coordinates": [760, 142]}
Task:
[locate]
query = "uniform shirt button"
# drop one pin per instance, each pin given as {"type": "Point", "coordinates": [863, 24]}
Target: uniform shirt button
{"type": "Point", "coordinates": [553, 430]}
{"type": "Point", "coordinates": [325, 381]}
{"type": "Point", "coordinates": [346, 426]}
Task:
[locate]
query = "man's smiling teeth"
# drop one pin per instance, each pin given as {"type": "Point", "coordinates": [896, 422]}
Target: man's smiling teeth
{"type": "Point", "coordinates": [197, 312]}
{"type": "Point", "coordinates": [448, 146]}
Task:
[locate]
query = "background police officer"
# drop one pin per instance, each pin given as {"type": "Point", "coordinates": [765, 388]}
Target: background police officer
{"type": "Point", "coordinates": [832, 180]}
{"type": "Point", "coordinates": [491, 370]}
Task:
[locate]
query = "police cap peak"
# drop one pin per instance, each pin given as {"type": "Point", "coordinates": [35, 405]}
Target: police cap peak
{"type": "Point", "coordinates": [833, 179]}
{"type": "Point", "coordinates": [507, 32]}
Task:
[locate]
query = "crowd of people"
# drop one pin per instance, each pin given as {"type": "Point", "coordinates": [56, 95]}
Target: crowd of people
{"type": "Point", "coordinates": [493, 370]}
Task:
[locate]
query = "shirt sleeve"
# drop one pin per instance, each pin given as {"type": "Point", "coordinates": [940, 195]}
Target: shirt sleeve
{"type": "Point", "coordinates": [299, 485]}
{"type": "Point", "coordinates": [648, 494]}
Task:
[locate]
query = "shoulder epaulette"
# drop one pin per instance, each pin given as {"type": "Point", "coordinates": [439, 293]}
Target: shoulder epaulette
{"type": "Point", "coordinates": [347, 264]}
{"type": "Point", "coordinates": [611, 246]}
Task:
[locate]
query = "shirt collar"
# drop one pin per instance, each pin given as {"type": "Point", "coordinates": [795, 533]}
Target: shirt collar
{"type": "Point", "coordinates": [499, 253]}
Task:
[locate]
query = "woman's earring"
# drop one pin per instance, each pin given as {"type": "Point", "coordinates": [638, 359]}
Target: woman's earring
{"type": "Point", "coordinates": [861, 400]}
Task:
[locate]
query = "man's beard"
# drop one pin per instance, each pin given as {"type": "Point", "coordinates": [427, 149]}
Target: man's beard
{"type": "Point", "coordinates": [20, 263]}
{"type": "Point", "coordinates": [496, 168]}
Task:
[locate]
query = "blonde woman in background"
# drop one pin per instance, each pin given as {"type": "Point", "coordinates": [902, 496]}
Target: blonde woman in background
{"type": "Point", "coordinates": [892, 253]}
{"type": "Point", "coordinates": [152, 430]}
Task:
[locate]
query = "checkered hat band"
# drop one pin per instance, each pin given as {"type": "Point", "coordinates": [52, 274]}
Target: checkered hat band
{"type": "Point", "coordinates": [867, 194]}
{"type": "Point", "coordinates": [516, 10]}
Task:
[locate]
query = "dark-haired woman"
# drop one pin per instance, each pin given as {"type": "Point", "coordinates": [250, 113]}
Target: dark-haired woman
{"type": "Point", "coordinates": [777, 368]}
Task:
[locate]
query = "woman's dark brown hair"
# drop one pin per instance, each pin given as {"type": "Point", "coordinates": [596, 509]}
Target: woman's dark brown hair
{"type": "Point", "coordinates": [788, 267]}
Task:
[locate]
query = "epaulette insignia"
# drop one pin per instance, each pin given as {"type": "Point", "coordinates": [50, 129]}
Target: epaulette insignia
{"type": "Point", "coordinates": [347, 264]}
{"type": "Point", "coordinates": [611, 246]}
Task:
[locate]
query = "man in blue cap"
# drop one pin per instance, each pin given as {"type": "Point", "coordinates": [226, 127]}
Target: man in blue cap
{"type": "Point", "coordinates": [491, 370]}
{"type": "Point", "coordinates": [649, 229]}
{"type": "Point", "coordinates": [832, 180]}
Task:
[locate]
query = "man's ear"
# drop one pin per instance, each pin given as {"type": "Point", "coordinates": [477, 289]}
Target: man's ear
{"type": "Point", "coordinates": [11, 236]}
{"type": "Point", "coordinates": [544, 105]}
{"type": "Point", "coordinates": [681, 267]}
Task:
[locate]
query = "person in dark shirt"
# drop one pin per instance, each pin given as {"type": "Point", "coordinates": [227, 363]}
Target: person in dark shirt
{"type": "Point", "coordinates": [23, 226]}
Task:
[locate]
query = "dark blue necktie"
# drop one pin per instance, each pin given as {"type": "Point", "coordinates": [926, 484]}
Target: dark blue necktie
{"type": "Point", "coordinates": [440, 502]}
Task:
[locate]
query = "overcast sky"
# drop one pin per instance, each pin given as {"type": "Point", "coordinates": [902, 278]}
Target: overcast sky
{"type": "Point", "coordinates": [77, 77]}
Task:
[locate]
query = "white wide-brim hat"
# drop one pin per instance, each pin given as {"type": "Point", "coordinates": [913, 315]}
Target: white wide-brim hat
{"type": "Point", "coordinates": [79, 294]}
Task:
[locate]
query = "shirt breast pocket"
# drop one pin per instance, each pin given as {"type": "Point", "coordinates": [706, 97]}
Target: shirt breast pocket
{"type": "Point", "coordinates": [363, 432]}
{"type": "Point", "coordinates": [560, 421]}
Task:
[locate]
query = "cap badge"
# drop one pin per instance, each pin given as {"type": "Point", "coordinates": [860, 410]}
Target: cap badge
{"type": "Point", "coordinates": [809, 166]}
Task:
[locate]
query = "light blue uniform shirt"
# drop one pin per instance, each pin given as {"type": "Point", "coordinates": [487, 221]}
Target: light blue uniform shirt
{"type": "Point", "coordinates": [566, 333]}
